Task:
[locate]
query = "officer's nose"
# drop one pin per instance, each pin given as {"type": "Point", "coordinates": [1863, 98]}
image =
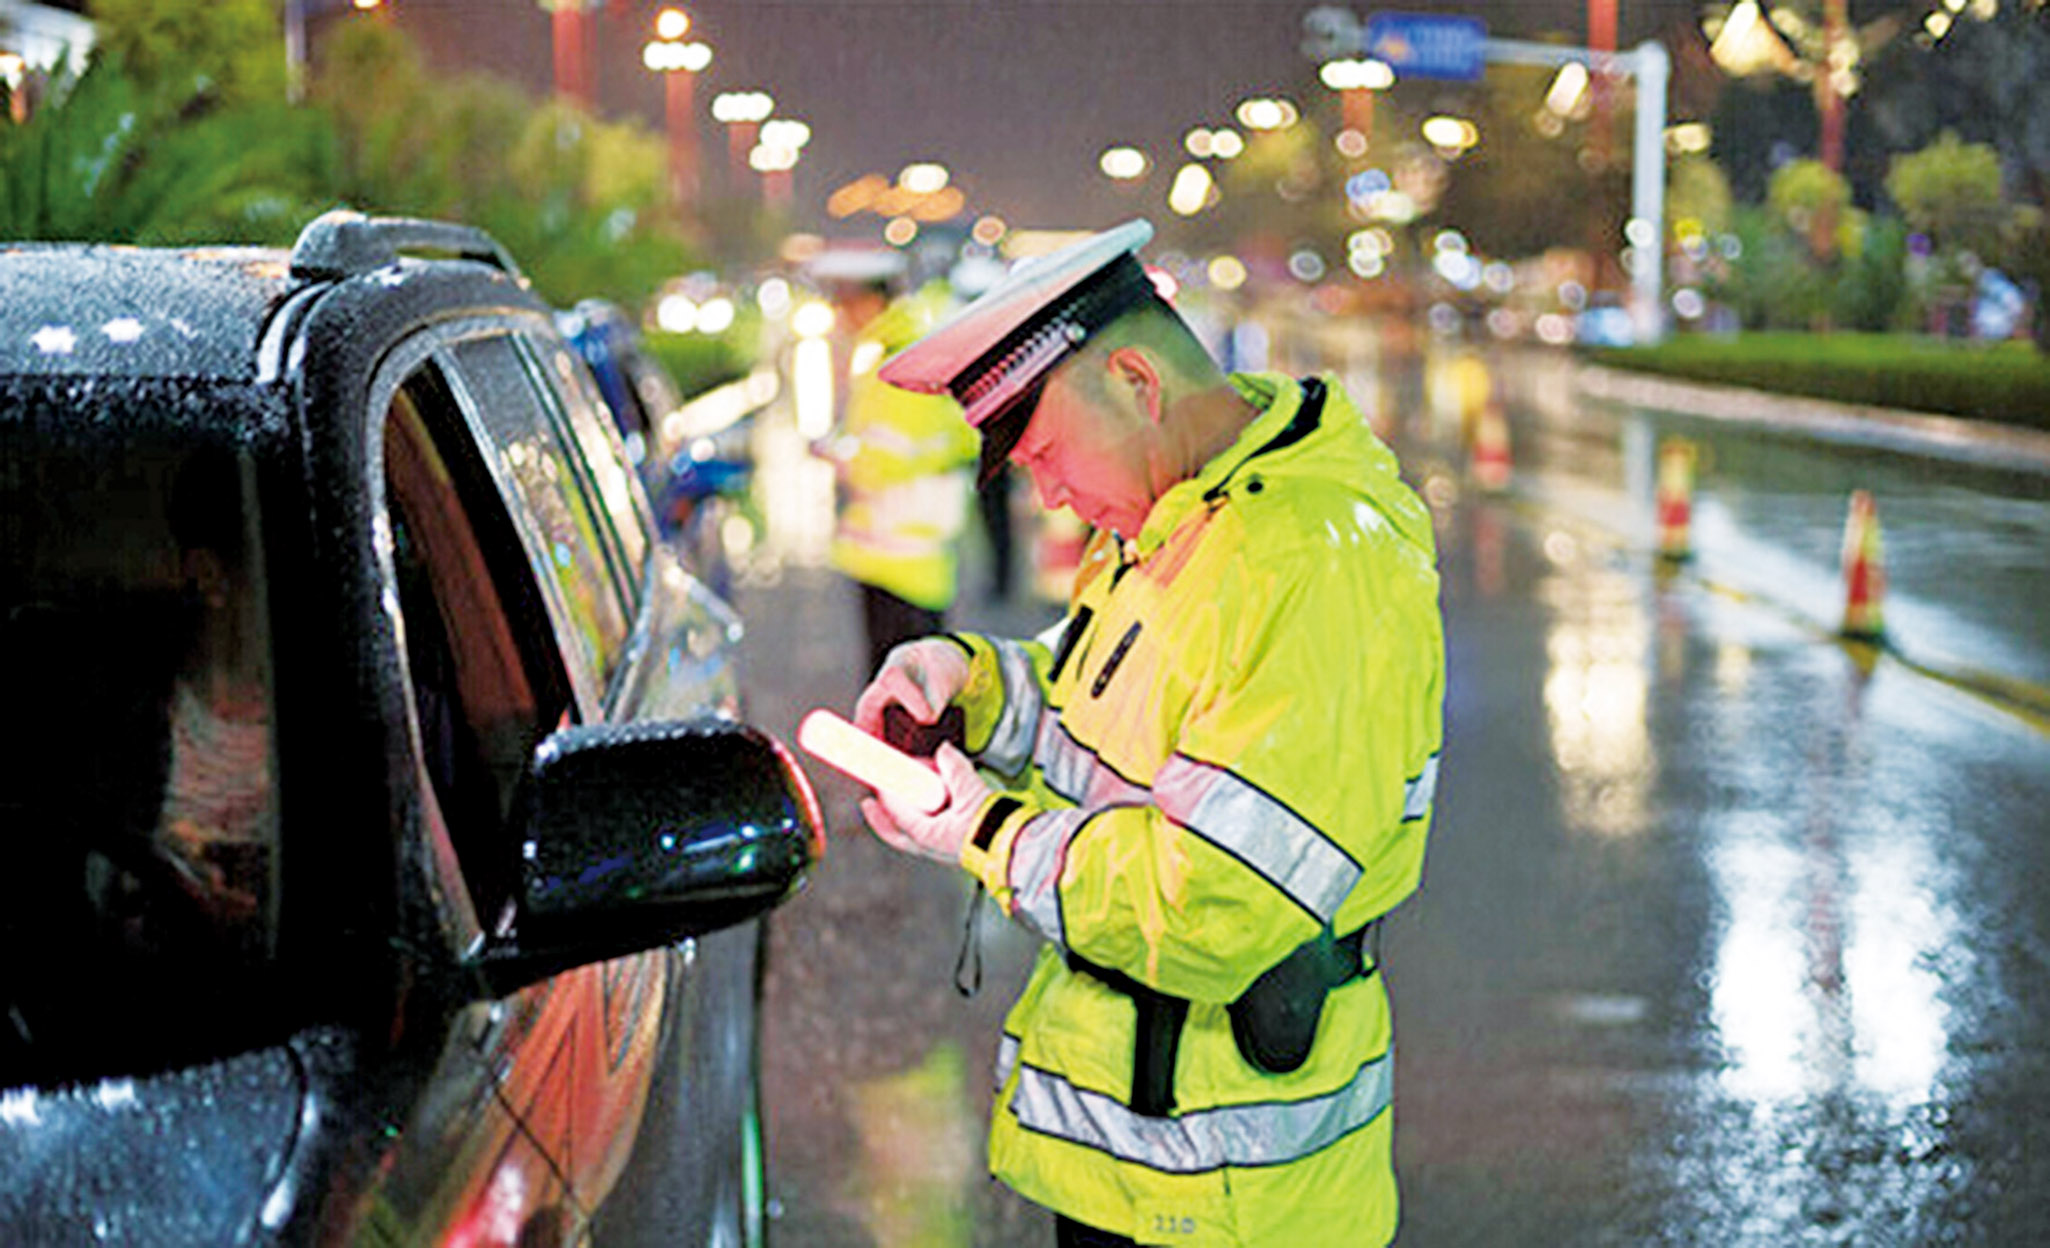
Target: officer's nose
{"type": "Point", "coordinates": [1052, 494]}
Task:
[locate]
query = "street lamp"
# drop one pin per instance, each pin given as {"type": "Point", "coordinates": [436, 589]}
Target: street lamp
{"type": "Point", "coordinates": [1192, 191]}
{"type": "Point", "coordinates": [924, 178]}
{"type": "Point", "coordinates": [1263, 113]}
{"type": "Point", "coordinates": [1223, 143]}
{"type": "Point", "coordinates": [679, 63]}
{"type": "Point", "coordinates": [1451, 136]}
{"type": "Point", "coordinates": [571, 23]}
{"type": "Point", "coordinates": [742, 113]}
{"type": "Point", "coordinates": [775, 156]}
{"type": "Point", "coordinates": [1356, 80]}
{"type": "Point", "coordinates": [1123, 164]}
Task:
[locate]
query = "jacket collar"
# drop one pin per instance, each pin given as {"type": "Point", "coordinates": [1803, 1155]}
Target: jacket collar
{"type": "Point", "coordinates": [1278, 396]}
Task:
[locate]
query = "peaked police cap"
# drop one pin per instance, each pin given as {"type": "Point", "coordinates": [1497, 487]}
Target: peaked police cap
{"type": "Point", "coordinates": [996, 353]}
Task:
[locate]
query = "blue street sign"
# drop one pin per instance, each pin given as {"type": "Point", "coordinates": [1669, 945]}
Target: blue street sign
{"type": "Point", "coordinates": [1426, 45]}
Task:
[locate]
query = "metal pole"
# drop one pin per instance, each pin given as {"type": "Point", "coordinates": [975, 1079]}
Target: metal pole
{"type": "Point", "coordinates": [681, 119]}
{"type": "Point", "coordinates": [1648, 192]}
{"type": "Point", "coordinates": [1652, 68]}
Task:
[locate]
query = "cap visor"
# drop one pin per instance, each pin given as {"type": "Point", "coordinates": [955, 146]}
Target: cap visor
{"type": "Point", "coordinates": [1000, 433]}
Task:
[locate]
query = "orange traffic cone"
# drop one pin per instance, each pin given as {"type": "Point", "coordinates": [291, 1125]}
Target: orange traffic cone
{"type": "Point", "coordinates": [1490, 464]}
{"type": "Point", "coordinates": [1675, 499]}
{"type": "Point", "coordinates": [1864, 570]}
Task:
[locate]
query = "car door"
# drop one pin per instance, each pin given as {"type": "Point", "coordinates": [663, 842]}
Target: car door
{"type": "Point", "coordinates": [530, 596]}
{"type": "Point", "coordinates": [696, 1173]}
{"type": "Point", "coordinates": [590, 1040]}
{"type": "Point", "coordinates": [487, 680]}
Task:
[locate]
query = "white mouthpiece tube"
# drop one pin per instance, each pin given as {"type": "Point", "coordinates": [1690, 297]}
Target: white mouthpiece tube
{"type": "Point", "coordinates": [877, 764]}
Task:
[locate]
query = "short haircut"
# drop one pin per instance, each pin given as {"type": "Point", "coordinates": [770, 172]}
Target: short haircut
{"type": "Point", "coordinates": [1158, 328]}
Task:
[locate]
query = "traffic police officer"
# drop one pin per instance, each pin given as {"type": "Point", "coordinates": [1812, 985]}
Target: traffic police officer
{"type": "Point", "coordinates": [902, 461]}
{"type": "Point", "coordinates": [1205, 788]}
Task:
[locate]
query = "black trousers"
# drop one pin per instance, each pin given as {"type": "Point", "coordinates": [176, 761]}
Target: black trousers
{"type": "Point", "coordinates": [1069, 1233]}
{"type": "Point", "coordinates": [889, 620]}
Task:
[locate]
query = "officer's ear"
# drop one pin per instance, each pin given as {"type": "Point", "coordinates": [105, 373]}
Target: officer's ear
{"type": "Point", "coordinates": [1133, 374]}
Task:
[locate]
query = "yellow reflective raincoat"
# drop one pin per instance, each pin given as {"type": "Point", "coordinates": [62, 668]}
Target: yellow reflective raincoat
{"type": "Point", "coordinates": [1230, 746]}
{"type": "Point", "coordinates": [904, 465]}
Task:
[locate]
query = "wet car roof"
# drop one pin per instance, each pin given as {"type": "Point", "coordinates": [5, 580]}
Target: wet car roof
{"type": "Point", "coordinates": [92, 310]}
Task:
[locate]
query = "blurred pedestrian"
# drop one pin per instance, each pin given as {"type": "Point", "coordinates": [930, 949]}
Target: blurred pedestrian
{"type": "Point", "coordinates": [1206, 788]}
{"type": "Point", "coordinates": [902, 462]}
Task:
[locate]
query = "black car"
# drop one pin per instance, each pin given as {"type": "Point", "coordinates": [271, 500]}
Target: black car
{"type": "Point", "coordinates": [385, 855]}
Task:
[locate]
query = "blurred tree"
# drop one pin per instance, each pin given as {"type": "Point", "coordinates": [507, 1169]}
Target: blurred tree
{"type": "Point", "coordinates": [108, 159]}
{"type": "Point", "coordinates": [1535, 180]}
{"type": "Point", "coordinates": [1810, 198]}
{"type": "Point", "coordinates": [230, 51]}
{"type": "Point", "coordinates": [411, 143]}
{"type": "Point", "coordinates": [1871, 292]}
{"type": "Point", "coordinates": [582, 204]}
{"type": "Point", "coordinates": [1772, 283]}
{"type": "Point", "coordinates": [1951, 191]}
{"type": "Point", "coordinates": [585, 205]}
{"type": "Point", "coordinates": [178, 132]}
{"type": "Point", "coordinates": [1697, 196]}
{"type": "Point", "coordinates": [1809, 72]}
{"type": "Point", "coordinates": [1983, 78]}
{"type": "Point", "coordinates": [1980, 72]}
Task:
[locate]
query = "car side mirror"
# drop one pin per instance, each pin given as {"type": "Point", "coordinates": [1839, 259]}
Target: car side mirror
{"type": "Point", "coordinates": [640, 835]}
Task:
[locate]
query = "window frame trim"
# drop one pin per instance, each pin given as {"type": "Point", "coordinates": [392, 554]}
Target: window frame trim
{"type": "Point", "coordinates": [630, 583]}
{"type": "Point", "coordinates": [591, 693]}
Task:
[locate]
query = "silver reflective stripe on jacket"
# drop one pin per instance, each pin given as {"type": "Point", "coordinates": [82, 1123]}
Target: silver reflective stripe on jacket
{"type": "Point", "coordinates": [1011, 744]}
{"type": "Point", "coordinates": [1265, 1134]}
{"type": "Point", "coordinates": [1259, 831]}
{"type": "Point", "coordinates": [1075, 773]}
{"type": "Point", "coordinates": [1036, 860]}
{"type": "Point", "coordinates": [1418, 794]}
{"type": "Point", "coordinates": [1007, 1057]}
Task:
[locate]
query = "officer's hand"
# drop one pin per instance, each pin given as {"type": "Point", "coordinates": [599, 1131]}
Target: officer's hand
{"type": "Point", "coordinates": [906, 828]}
{"type": "Point", "coordinates": [922, 676]}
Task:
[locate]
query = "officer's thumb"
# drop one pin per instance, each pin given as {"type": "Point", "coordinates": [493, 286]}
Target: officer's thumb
{"type": "Point", "coordinates": [954, 766]}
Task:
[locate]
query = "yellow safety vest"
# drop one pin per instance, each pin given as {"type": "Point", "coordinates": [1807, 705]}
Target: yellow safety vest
{"type": "Point", "coordinates": [1230, 747]}
{"type": "Point", "coordinates": [904, 476]}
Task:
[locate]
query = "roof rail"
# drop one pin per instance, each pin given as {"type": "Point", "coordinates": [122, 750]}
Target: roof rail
{"type": "Point", "coordinates": [340, 243]}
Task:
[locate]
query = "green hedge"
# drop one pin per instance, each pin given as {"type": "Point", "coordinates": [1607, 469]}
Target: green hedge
{"type": "Point", "coordinates": [2007, 382]}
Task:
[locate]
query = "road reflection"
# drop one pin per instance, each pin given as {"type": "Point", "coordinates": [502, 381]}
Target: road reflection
{"type": "Point", "coordinates": [1825, 978]}
{"type": "Point", "coordinates": [919, 1152]}
{"type": "Point", "coordinates": [1837, 953]}
{"type": "Point", "coordinates": [1595, 692]}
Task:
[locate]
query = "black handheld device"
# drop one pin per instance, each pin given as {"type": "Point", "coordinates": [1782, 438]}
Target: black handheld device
{"type": "Point", "coordinates": [923, 740]}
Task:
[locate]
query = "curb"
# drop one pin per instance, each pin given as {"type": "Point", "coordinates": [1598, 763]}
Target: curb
{"type": "Point", "coordinates": [1916, 433]}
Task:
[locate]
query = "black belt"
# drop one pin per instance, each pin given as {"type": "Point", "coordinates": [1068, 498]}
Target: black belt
{"type": "Point", "coordinates": [1274, 1021]}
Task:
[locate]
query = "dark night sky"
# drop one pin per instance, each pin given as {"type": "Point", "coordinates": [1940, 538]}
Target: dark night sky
{"type": "Point", "coordinates": [1017, 97]}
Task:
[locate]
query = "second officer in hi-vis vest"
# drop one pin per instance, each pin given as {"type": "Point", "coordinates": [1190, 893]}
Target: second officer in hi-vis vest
{"type": "Point", "coordinates": [1205, 788]}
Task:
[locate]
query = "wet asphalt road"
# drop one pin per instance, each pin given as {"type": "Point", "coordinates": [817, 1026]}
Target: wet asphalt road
{"type": "Point", "coordinates": [1731, 933]}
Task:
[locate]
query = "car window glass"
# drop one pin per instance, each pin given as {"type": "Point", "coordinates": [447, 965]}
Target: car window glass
{"type": "Point", "coordinates": [565, 547]}
{"type": "Point", "coordinates": [134, 605]}
{"type": "Point", "coordinates": [481, 700]}
{"type": "Point", "coordinates": [597, 438]}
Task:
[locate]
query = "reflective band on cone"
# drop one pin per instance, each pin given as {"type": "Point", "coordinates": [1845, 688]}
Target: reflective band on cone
{"type": "Point", "coordinates": [884, 768]}
{"type": "Point", "coordinates": [1864, 570]}
{"type": "Point", "coordinates": [1675, 498]}
{"type": "Point", "coordinates": [1491, 450]}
